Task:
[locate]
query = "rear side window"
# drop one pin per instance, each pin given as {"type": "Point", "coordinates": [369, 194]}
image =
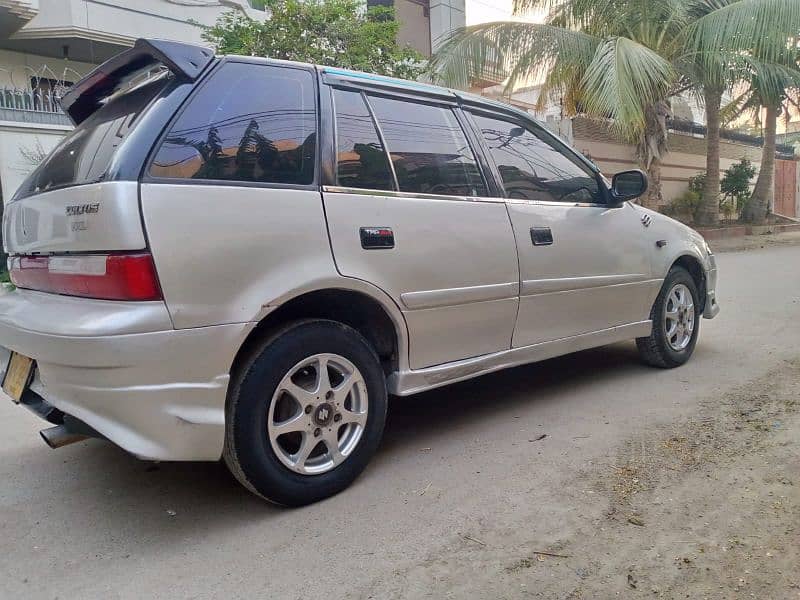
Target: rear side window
{"type": "Point", "coordinates": [361, 160]}
{"type": "Point", "coordinates": [428, 148]}
{"type": "Point", "coordinates": [534, 167]}
{"type": "Point", "coordinates": [249, 123]}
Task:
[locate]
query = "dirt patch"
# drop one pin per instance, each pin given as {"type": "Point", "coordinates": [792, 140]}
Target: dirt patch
{"type": "Point", "coordinates": [718, 494]}
{"type": "Point", "coordinates": [707, 506]}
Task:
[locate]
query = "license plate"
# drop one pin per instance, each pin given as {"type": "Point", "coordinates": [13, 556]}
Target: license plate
{"type": "Point", "coordinates": [18, 376]}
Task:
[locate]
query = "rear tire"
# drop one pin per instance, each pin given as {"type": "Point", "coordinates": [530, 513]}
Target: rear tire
{"type": "Point", "coordinates": [306, 413]}
{"type": "Point", "coordinates": [676, 322]}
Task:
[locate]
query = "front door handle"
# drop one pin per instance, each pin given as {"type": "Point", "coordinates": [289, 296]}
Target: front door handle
{"type": "Point", "coordinates": [541, 236]}
{"type": "Point", "coordinates": [376, 238]}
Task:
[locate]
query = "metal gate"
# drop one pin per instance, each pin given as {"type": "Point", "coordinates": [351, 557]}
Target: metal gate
{"type": "Point", "coordinates": [787, 190]}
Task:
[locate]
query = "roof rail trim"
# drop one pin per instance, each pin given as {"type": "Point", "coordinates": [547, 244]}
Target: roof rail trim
{"type": "Point", "coordinates": [335, 74]}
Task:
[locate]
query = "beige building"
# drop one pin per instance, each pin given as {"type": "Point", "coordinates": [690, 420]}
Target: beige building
{"type": "Point", "coordinates": [424, 23]}
{"type": "Point", "coordinates": [46, 45]}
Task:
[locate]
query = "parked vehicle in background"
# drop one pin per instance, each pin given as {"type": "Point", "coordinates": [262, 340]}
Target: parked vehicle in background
{"type": "Point", "coordinates": [241, 258]}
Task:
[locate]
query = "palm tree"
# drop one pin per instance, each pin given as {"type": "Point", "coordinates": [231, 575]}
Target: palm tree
{"type": "Point", "coordinates": [624, 60]}
{"type": "Point", "coordinates": [765, 59]}
{"type": "Point", "coordinates": [769, 90]}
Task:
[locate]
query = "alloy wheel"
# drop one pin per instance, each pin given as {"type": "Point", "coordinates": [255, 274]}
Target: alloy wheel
{"type": "Point", "coordinates": [317, 414]}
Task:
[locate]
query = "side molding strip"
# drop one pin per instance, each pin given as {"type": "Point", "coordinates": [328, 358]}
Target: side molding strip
{"type": "Point", "coordinates": [456, 296]}
{"type": "Point", "coordinates": [412, 382]}
{"type": "Point", "coordinates": [564, 284]}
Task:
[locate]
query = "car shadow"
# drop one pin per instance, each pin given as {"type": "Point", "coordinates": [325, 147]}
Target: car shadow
{"type": "Point", "coordinates": [506, 393]}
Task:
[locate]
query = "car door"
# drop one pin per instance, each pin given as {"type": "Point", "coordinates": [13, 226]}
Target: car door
{"type": "Point", "coordinates": [584, 265]}
{"type": "Point", "coordinates": [409, 213]}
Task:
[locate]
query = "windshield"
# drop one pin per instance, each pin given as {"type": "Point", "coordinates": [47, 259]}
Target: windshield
{"type": "Point", "coordinates": [85, 154]}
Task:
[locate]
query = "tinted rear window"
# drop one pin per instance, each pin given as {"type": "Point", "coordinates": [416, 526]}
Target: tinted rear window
{"type": "Point", "coordinates": [250, 123]}
{"type": "Point", "coordinates": [85, 154]}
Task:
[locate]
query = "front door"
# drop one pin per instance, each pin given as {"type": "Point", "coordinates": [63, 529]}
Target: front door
{"type": "Point", "coordinates": [584, 267]}
{"type": "Point", "coordinates": [409, 214]}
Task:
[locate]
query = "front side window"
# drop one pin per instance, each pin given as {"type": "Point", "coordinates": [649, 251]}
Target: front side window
{"type": "Point", "coordinates": [429, 150]}
{"type": "Point", "coordinates": [361, 160]}
{"type": "Point", "coordinates": [249, 123]}
{"type": "Point", "coordinates": [532, 167]}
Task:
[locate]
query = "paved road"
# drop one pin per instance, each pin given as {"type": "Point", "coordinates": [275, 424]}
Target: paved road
{"type": "Point", "coordinates": [457, 472]}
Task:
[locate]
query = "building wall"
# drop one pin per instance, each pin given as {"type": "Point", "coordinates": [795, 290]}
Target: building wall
{"type": "Point", "coordinates": [122, 21]}
{"type": "Point", "coordinates": [15, 143]}
{"type": "Point", "coordinates": [17, 68]}
{"type": "Point", "coordinates": [446, 15]}
{"type": "Point", "coordinates": [686, 157]}
{"type": "Point", "coordinates": [415, 26]}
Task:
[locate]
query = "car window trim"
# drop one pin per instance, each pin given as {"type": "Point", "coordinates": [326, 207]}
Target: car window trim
{"type": "Point", "coordinates": [479, 153]}
{"type": "Point", "coordinates": [435, 102]}
{"type": "Point", "coordinates": [552, 140]}
{"type": "Point", "coordinates": [209, 76]}
{"type": "Point", "coordinates": [337, 189]}
{"type": "Point", "coordinates": [379, 130]}
{"type": "Point", "coordinates": [333, 181]}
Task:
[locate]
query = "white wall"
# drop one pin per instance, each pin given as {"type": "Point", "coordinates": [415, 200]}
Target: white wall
{"type": "Point", "coordinates": [17, 68]}
{"type": "Point", "coordinates": [14, 167]}
{"type": "Point", "coordinates": [122, 21]}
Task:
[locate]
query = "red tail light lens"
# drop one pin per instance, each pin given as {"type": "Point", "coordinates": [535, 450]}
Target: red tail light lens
{"type": "Point", "coordinates": [102, 276]}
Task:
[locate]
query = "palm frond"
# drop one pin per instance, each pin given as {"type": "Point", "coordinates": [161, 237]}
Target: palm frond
{"type": "Point", "coordinates": [760, 27]}
{"type": "Point", "coordinates": [770, 82]}
{"type": "Point", "coordinates": [507, 48]}
{"type": "Point", "coordinates": [623, 80]}
{"type": "Point", "coordinates": [742, 104]}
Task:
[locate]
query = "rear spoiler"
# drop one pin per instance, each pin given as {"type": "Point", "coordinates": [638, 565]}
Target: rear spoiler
{"type": "Point", "coordinates": [186, 61]}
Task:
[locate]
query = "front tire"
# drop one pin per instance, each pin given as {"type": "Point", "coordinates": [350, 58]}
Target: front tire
{"type": "Point", "coordinates": [306, 414]}
{"type": "Point", "coordinates": [676, 322]}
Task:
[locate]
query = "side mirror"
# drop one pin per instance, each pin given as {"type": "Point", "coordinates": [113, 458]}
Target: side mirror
{"type": "Point", "coordinates": [628, 185]}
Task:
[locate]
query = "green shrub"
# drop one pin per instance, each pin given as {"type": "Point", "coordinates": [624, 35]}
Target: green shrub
{"type": "Point", "coordinates": [735, 187]}
{"type": "Point", "coordinates": [5, 280]}
{"type": "Point", "coordinates": [686, 206]}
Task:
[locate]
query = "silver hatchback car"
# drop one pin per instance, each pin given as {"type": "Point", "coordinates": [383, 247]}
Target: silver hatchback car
{"type": "Point", "coordinates": [241, 258]}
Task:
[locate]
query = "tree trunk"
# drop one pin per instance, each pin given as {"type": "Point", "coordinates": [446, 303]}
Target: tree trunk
{"type": "Point", "coordinates": [650, 149]}
{"type": "Point", "coordinates": [759, 203]}
{"type": "Point", "coordinates": [709, 209]}
{"type": "Point", "coordinates": [654, 198]}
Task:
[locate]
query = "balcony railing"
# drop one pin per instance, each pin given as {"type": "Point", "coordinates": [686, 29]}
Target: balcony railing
{"type": "Point", "coordinates": [31, 106]}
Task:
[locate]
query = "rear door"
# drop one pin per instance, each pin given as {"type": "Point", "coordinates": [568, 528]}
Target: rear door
{"type": "Point", "coordinates": [410, 213]}
{"type": "Point", "coordinates": [584, 266]}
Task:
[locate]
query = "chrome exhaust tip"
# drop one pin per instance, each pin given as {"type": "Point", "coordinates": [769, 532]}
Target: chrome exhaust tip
{"type": "Point", "coordinates": [60, 435]}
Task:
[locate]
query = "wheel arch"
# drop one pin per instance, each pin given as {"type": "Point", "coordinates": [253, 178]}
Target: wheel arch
{"type": "Point", "coordinates": [376, 318]}
{"type": "Point", "coordinates": [695, 268]}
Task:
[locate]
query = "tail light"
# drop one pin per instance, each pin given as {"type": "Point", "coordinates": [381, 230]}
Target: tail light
{"type": "Point", "coordinates": [102, 276]}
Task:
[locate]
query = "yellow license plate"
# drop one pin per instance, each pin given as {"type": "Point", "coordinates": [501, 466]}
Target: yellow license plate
{"type": "Point", "coordinates": [18, 376]}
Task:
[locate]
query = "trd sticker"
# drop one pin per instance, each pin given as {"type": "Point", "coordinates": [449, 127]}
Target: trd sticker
{"type": "Point", "coordinates": [82, 209]}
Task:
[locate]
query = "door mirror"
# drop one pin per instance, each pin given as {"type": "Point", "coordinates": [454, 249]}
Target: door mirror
{"type": "Point", "coordinates": [628, 185]}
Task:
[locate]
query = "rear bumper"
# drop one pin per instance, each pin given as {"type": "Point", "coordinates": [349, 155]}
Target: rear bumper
{"type": "Point", "coordinates": [158, 394]}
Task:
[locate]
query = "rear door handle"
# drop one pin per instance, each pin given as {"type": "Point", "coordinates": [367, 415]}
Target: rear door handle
{"type": "Point", "coordinates": [541, 236]}
{"type": "Point", "coordinates": [376, 238]}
